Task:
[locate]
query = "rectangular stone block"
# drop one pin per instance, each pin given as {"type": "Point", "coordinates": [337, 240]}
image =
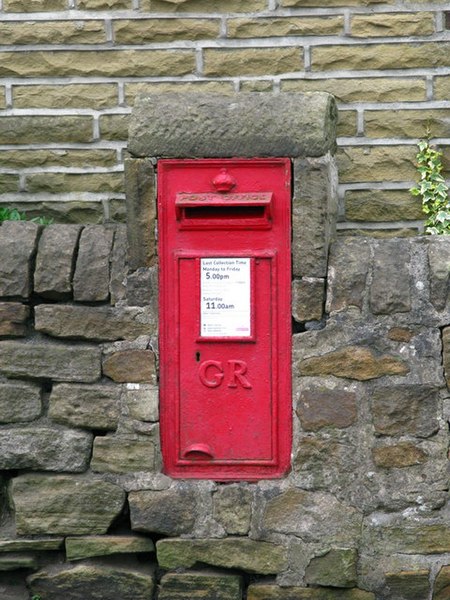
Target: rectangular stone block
{"type": "Point", "coordinates": [50, 361]}
{"type": "Point", "coordinates": [104, 4]}
{"type": "Point", "coordinates": [251, 61]}
{"type": "Point", "coordinates": [308, 297]}
{"type": "Point", "coordinates": [34, 5]}
{"type": "Point", "coordinates": [286, 26]}
{"type": "Point", "coordinates": [43, 129]}
{"type": "Point", "coordinates": [388, 24]}
{"type": "Point", "coordinates": [391, 280]}
{"type": "Point", "coordinates": [79, 548]}
{"type": "Point", "coordinates": [19, 159]}
{"type": "Point", "coordinates": [142, 402]}
{"type": "Point", "coordinates": [376, 163]}
{"type": "Point", "coordinates": [64, 183]}
{"type": "Point", "coordinates": [202, 6]}
{"type": "Point", "coordinates": [18, 242]}
{"type": "Point", "coordinates": [91, 278]}
{"type": "Point", "coordinates": [439, 265]}
{"type": "Point", "coordinates": [409, 538]}
{"type": "Point", "coordinates": [264, 591]}
{"type": "Point", "coordinates": [13, 319]}
{"type": "Point", "coordinates": [141, 31]}
{"type": "Point", "coordinates": [200, 586]}
{"type": "Point", "coordinates": [19, 401]}
{"type": "Point", "coordinates": [123, 454]}
{"type": "Point", "coordinates": [442, 87]}
{"type": "Point", "coordinates": [54, 32]}
{"type": "Point", "coordinates": [114, 127]}
{"type": "Point", "coordinates": [9, 183]}
{"type": "Point", "coordinates": [407, 123]}
{"type": "Point", "coordinates": [328, 3]}
{"type": "Point", "coordinates": [347, 123]}
{"type": "Point", "coordinates": [159, 87]}
{"type": "Point", "coordinates": [98, 95]}
{"type": "Point", "coordinates": [382, 205]}
{"type": "Point", "coordinates": [119, 266]}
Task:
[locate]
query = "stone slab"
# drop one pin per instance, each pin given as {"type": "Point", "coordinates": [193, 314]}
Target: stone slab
{"type": "Point", "coordinates": [390, 287]}
{"type": "Point", "coordinates": [12, 562]}
{"type": "Point", "coordinates": [79, 548]}
{"type": "Point", "coordinates": [92, 270]}
{"type": "Point", "coordinates": [142, 401]}
{"type": "Point", "coordinates": [131, 366]}
{"type": "Point", "coordinates": [170, 512]}
{"type": "Point", "coordinates": [119, 267]}
{"type": "Point", "coordinates": [123, 454]}
{"type": "Point", "coordinates": [232, 508]}
{"type": "Point", "coordinates": [19, 402]}
{"type": "Point", "coordinates": [439, 264]}
{"type": "Point", "coordinates": [13, 319]}
{"type": "Point", "coordinates": [273, 592]}
{"type": "Point", "coordinates": [412, 585]}
{"type": "Point", "coordinates": [18, 242]}
{"type": "Point", "coordinates": [335, 568]}
{"type": "Point", "coordinates": [200, 586]}
{"type": "Point", "coordinates": [36, 544]}
{"type": "Point", "coordinates": [321, 407]}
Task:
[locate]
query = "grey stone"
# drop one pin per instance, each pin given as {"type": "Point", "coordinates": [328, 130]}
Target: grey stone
{"type": "Point", "coordinates": [92, 271]}
{"type": "Point", "coordinates": [78, 548]}
{"type": "Point", "coordinates": [119, 268]}
{"type": "Point", "coordinates": [439, 264]}
{"type": "Point", "coordinates": [18, 242]}
{"type": "Point", "coordinates": [232, 508]}
{"type": "Point", "coordinates": [142, 288]}
{"type": "Point", "coordinates": [123, 454]}
{"type": "Point", "coordinates": [409, 585]}
{"type": "Point", "coordinates": [308, 296]}
{"type": "Point", "coordinates": [103, 323]}
{"type": "Point", "coordinates": [252, 124]}
{"type": "Point", "coordinates": [321, 407]}
{"type": "Point", "coordinates": [267, 591]}
{"type": "Point", "coordinates": [12, 562]}
{"type": "Point", "coordinates": [86, 406]}
{"type": "Point", "coordinates": [390, 288]}
{"type": "Point", "coordinates": [55, 261]}
{"type": "Point", "coordinates": [335, 568]}
{"type": "Point", "coordinates": [170, 512]}
{"type": "Point", "coordinates": [200, 586]}
{"type": "Point", "coordinates": [446, 353]}
{"type": "Point", "coordinates": [407, 538]}
{"type": "Point", "coordinates": [50, 361]}
{"type": "Point", "coordinates": [19, 401]}
{"type": "Point", "coordinates": [13, 319]}
{"type": "Point", "coordinates": [142, 401]}
{"type": "Point", "coordinates": [314, 212]}
{"type": "Point", "coordinates": [31, 545]}
{"type": "Point", "coordinates": [140, 190]}
{"type": "Point", "coordinates": [131, 366]}
{"type": "Point", "coordinates": [64, 505]}
{"type": "Point", "coordinates": [80, 582]}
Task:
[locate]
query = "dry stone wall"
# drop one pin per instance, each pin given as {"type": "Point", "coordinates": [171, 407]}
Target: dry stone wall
{"type": "Point", "coordinates": [86, 511]}
{"type": "Point", "coordinates": [70, 71]}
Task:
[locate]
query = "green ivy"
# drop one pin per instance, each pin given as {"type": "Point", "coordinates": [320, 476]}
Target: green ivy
{"type": "Point", "coordinates": [432, 188]}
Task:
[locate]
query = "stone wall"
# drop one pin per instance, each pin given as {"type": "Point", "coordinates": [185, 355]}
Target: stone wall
{"type": "Point", "coordinates": [70, 71]}
{"type": "Point", "coordinates": [86, 511]}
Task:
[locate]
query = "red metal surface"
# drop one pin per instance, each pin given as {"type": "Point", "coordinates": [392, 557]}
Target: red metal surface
{"type": "Point", "coordinates": [225, 365]}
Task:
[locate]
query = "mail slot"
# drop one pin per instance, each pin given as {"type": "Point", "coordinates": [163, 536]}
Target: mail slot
{"type": "Point", "coordinates": [225, 324]}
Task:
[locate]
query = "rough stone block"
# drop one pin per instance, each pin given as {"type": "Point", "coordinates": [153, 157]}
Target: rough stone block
{"type": "Point", "coordinates": [335, 568]}
{"type": "Point", "coordinates": [142, 288]}
{"type": "Point", "coordinates": [50, 361]}
{"type": "Point", "coordinates": [314, 212]}
{"type": "Point", "coordinates": [79, 548]}
{"type": "Point", "coordinates": [119, 268]}
{"type": "Point", "coordinates": [133, 366]}
{"type": "Point", "coordinates": [405, 409]}
{"type": "Point", "coordinates": [441, 589]}
{"type": "Point", "coordinates": [439, 263]}
{"type": "Point", "coordinates": [308, 296]}
{"type": "Point", "coordinates": [411, 585]}
{"type": "Point", "coordinates": [64, 505]}
{"type": "Point", "coordinates": [123, 454]}
{"type": "Point", "coordinates": [200, 586]}
{"type": "Point", "coordinates": [102, 323]}
{"type": "Point", "coordinates": [13, 319]}
{"type": "Point", "coordinates": [232, 508]}
{"type": "Point", "coordinates": [12, 562]}
{"type": "Point", "coordinates": [55, 261]}
{"type": "Point", "coordinates": [170, 512]}
{"type": "Point", "coordinates": [93, 581]}
{"type": "Point", "coordinates": [231, 553]}
{"type": "Point", "coordinates": [45, 449]}
{"type": "Point", "coordinates": [41, 129]}
{"type": "Point", "coordinates": [408, 538]}
{"type": "Point", "coordinates": [31, 545]}
{"type": "Point", "coordinates": [321, 407]}
{"type": "Point", "coordinates": [178, 125]}
{"type": "Point", "coordinates": [404, 454]}
{"type": "Point", "coordinates": [18, 242]}
{"type": "Point", "coordinates": [390, 288]}
{"type": "Point", "coordinates": [142, 402]}
{"type": "Point", "coordinates": [87, 406]}
{"type": "Point", "coordinates": [264, 591]}
{"type": "Point", "coordinates": [91, 278]}
{"type": "Point", "coordinates": [234, 62]}
{"type": "Point", "coordinates": [164, 30]}
{"type": "Point", "coordinates": [382, 205]}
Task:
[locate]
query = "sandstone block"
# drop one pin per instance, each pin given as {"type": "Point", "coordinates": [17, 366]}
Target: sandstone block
{"type": "Point", "coordinates": [55, 261]}
{"type": "Point", "coordinates": [31, 545]}
{"type": "Point", "coordinates": [170, 512]}
{"type": "Point", "coordinates": [385, 24]}
{"type": "Point", "coordinates": [321, 407]}
{"type": "Point", "coordinates": [92, 581]}
{"type": "Point", "coordinates": [408, 538]}
{"type": "Point", "coordinates": [76, 95]}
{"type": "Point", "coordinates": [141, 31]}
{"type": "Point", "coordinates": [18, 242]}
{"type": "Point", "coordinates": [232, 508]}
{"type": "Point", "coordinates": [142, 402]}
{"type": "Point", "coordinates": [231, 553]}
{"type": "Point", "coordinates": [270, 27]}
{"type": "Point", "coordinates": [400, 334]}
{"type": "Point", "coordinates": [9, 183]}
{"type": "Point", "coordinates": [264, 591]}
{"type": "Point", "coordinates": [79, 548]}
{"type": "Point", "coordinates": [335, 568]}
{"type": "Point", "coordinates": [353, 362]}
{"type": "Point", "coordinates": [118, 265]}
{"type": "Point", "coordinates": [114, 127]}
{"type": "Point", "coordinates": [404, 454]}
{"type": "Point", "coordinates": [13, 319]}
{"type": "Point", "coordinates": [202, 5]}
{"type": "Point", "coordinates": [19, 401]}
{"type": "Point", "coordinates": [45, 449]}
{"type": "Point", "coordinates": [41, 129]}
{"type": "Point", "coordinates": [50, 361]}
{"type": "Point", "coordinates": [405, 409]}
{"type": "Point", "coordinates": [132, 90]}
{"type": "Point", "coordinates": [102, 323]}
{"type": "Point", "coordinates": [442, 584]}
{"type": "Point", "coordinates": [200, 586]}
{"type": "Point", "coordinates": [123, 454]}
{"type": "Point", "coordinates": [22, 159]}
{"type": "Point", "coordinates": [439, 264]}
{"type": "Point", "coordinates": [64, 505]}
{"type": "Point", "coordinates": [406, 123]}
{"type": "Point", "coordinates": [390, 289]}
{"type": "Point", "coordinates": [382, 205]}
{"type": "Point", "coordinates": [441, 87]}
{"type": "Point", "coordinates": [91, 278]}
{"type": "Point", "coordinates": [95, 183]}
{"type": "Point", "coordinates": [308, 296]}
{"type": "Point", "coordinates": [87, 406]}
{"type": "Point", "coordinates": [57, 32]}
{"type": "Point", "coordinates": [33, 5]}
{"type": "Point", "coordinates": [251, 61]}
{"type": "Point", "coordinates": [412, 585]}
{"type": "Point", "coordinates": [378, 163]}
{"type": "Point", "coordinates": [130, 366]}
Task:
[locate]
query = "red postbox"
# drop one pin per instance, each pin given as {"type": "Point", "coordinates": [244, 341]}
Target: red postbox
{"type": "Point", "coordinates": [225, 317]}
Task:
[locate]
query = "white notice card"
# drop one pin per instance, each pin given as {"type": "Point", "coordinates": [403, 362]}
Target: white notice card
{"type": "Point", "coordinates": [225, 297]}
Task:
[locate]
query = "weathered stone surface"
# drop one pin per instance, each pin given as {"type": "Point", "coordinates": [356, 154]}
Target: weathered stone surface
{"type": "Point", "coordinates": [13, 319]}
{"type": "Point", "coordinates": [382, 205]}
{"type": "Point", "coordinates": [141, 212]}
{"type": "Point", "coordinates": [64, 505]}
{"type": "Point", "coordinates": [91, 278]}
{"type": "Point", "coordinates": [390, 288]}
{"type": "Point", "coordinates": [77, 95]}
{"type": "Point", "coordinates": [266, 27]}
{"type": "Point", "coordinates": [353, 362]}
{"type": "Point", "coordinates": [123, 454]}
{"type": "Point", "coordinates": [18, 241]}
{"type": "Point", "coordinates": [50, 361]}
{"type": "Point", "coordinates": [409, 538]}
{"type": "Point", "coordinates": [403, 409]}
{"type": "Point", "coordinates": [142, 287]}
{"type": "Point", "coordinates": [308, 296]}
{"type": "Point", "coordinates": [335, 568]}
{"type": "Point", "coordinates": [392, 25]}
{"type": "Point", "coordinates": [86, 406]}
{"type": "Point", "coordinates": [446, 353]}
{"type": "Point", "coordinates": [200, 586]}
{"type": "Point", "coordinates": [301, 513]}
{"type": "Point", "coordinates": [314, 210]}
{"type": "Point", "coordinates": [243, 125]}
{"type": "Point", "coordinates": [231, 553]}
{"type": "Point", "coordinates": [102, 323]}
{"type": "Point", "coordinates": [411, 585]}
{"type": "Point", "coordinates": [19, 401]}
{"type": "Point", "coordinates": [55, 261]}
{"type": "Point", "coordinates": [119, 268]}
{"type": "Point", "coordinates": [11, 562]}
{"type": "Point", "coordinates": [39, 129]}
{"type": "Point", "coordinates": [347, 273]}
{"type": "Point", "coordinates": [31, 545]}
{"type": "Point", "coordinates": [232, 508]}
{"type": "Point", "coordinates": [441, 589]}
{"type": "Point", "coordinates": [45, 449]}
{"type": "Point", "coordinates": [170, 512]}
{"type": "Point", "coordinates": [134, 366]}
{"type": "Point", "coordinates": [322, 407]}
{"type": "Point", "coordinates": [400, 334]}
{"type": "Point", "coordinates": [439, 263]}
{"type": "Point", "coordinates": [236, 62]}
{"type": "Point", "coordinates": [142, 402]}
{"type": "Point", "coordinates": [80, 582]}
{"type": "Point", "coordinates": [141, 31]}
{"type": "Point", "coordinates": [264, 591]}
{"type": "Point", "coordinates": [404, 454]}
{"type": "Point", "coordinates": [78, 548]}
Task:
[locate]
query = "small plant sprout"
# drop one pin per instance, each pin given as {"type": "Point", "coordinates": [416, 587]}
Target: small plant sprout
{"type": "Point", "coordinates": [433, 189]}
{"type": "Point", "coordinates": [12, 214]}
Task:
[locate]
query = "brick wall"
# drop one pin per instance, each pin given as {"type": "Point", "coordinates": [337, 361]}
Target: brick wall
{"type": "Point", "coordinates": [71, 69]}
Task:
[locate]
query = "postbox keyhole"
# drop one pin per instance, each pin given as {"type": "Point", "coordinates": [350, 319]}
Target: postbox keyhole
{"type": "Point", "coordinates": [197, 356]}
